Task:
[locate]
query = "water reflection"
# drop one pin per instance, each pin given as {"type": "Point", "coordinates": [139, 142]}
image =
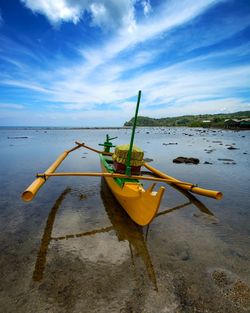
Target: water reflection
{"type": "Point", "coordinates": [124, 228]}
{"type": "Point", "coordinates": [192, 201]}
{"type": "Point", "coordinates": [42, 253]}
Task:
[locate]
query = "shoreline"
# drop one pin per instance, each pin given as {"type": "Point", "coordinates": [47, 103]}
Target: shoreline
{"type": "Point", "coordinates": [112, 128]}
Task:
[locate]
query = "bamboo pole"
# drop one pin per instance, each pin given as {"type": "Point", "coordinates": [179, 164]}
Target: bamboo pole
{"type": "Point", "coordinates": [92, 149]}
{"type": "Point", "coordinates": [189, 187]}
{"type": "Point", "coordinates": [32, 190]}
{"type": "Point", "coordinates": [111, 175]}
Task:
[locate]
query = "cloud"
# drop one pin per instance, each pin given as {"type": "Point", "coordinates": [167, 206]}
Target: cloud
{"type": "Point", "coordinates": [146, 7]}
{"type": "Point", "coordinates": [56, 11]}
{"type": "Point", "coordinates": [25, 84]}
{"type": "Point", "coordinates": [104, 13]}
{"type": "Point", "coordinates": [11, 106]}
{"type": "Point", "coordinates": [113, 13]}
{"type": "Point", "coordinates": [177, 13]}
{"type": "Point", "coordinates": [100, 87]}
{"type": "Point", "coordinates": [226, 105]}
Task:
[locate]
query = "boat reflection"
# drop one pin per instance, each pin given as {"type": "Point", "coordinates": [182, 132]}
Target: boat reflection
{"type": "Point", "coordinates": [124, 228]}
{"type": "Point", "coordinates": [42, 253]}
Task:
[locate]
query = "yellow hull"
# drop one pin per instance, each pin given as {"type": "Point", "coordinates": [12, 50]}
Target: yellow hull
{"type": "Point", "coordinates": [141, 205]}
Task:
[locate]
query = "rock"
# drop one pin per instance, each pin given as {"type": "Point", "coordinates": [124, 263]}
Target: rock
{"type": "Point", "coordinates": [226, 160]}
{"type": "Point", "coordinates": [18, 137]}
{"type": "Point", "coordinates": [232, 148]}
{"type": "Point", "coordinates": [209, 151]}
{"type": "Point", "coordinates": [206, 162]}
{"type": "Point", "coordinates": [148, 160]}
{"type": "Point", "coordinates": [186, 160]}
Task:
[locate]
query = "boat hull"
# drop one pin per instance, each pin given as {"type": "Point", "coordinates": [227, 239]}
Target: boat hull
{"type": "Point", "coordinates": [140, 204]}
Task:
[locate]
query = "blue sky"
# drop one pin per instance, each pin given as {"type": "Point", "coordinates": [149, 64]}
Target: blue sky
{"type": "Point", "coordinates": [82, 62]}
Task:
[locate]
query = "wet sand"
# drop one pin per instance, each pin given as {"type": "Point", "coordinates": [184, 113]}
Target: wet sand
{"type": "Point", "coordinates": [73, 249]}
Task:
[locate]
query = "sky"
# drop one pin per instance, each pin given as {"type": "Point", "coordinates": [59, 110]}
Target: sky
{"type": "Point", "coordinates": [82, 62]}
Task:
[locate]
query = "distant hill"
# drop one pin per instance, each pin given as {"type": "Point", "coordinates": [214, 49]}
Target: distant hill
{"type": "Point", "coordinates": [216, 120]}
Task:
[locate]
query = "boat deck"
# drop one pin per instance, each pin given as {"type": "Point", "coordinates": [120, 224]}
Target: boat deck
{"type": "Point", "coordinates": [107, 162]}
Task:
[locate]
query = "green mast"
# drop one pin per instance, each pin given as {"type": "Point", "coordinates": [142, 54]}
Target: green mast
{"type": "Point", "coordinates": [128, 167]}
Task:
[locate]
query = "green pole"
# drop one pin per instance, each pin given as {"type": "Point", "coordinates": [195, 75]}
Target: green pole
{"type": "Point", "coordinates": [128, 167]}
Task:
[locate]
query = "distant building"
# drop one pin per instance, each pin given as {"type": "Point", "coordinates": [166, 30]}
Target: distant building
{"type": "Point", "coordinates": [245, 123]}
{"type": "Point", "coordinates": [206, 123]}
{"type": "Point", "coordinates": [237, 123]}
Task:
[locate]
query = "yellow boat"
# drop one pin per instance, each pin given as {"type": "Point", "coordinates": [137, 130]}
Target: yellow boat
{"type": "Point", "coordinates": [140, 204]}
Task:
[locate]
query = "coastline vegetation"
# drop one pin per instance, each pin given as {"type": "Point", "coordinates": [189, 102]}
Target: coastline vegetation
{"type": "Point", "coordinates": [211, 120]}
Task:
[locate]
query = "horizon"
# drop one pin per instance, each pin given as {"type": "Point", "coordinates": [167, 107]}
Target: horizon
{"type": "Point", "coordinates": [69, 63]}
{"type": "Point", "coordinates": [109, 126]}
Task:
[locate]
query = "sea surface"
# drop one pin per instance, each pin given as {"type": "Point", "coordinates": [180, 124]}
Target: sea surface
{"type": "Point", "coordinates": [74, 249]}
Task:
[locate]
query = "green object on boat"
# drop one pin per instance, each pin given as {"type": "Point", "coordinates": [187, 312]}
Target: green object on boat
{"type": "Point", "coordinates": [128, 162]}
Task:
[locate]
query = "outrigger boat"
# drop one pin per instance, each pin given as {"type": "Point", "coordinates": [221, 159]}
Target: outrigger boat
{"type": "Point", "coordinates": [124, 178]}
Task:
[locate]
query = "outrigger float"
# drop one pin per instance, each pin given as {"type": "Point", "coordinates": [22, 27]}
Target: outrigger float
{"type": "Point", "coordinates": [122, 171]}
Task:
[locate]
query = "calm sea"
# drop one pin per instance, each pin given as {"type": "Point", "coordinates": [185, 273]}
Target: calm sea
{"type": "Point", "coordinates": [73, 249]}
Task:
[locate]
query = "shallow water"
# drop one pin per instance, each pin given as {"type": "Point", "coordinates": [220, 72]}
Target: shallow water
{"type": "Point", "coordinates": [73, 249]}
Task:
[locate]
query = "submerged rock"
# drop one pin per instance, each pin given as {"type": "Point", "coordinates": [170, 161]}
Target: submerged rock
{"type": "Point", "coordinates": [186, 160]}
{"type": "Point", "coordinates": [209, 151]}
{"type": "Point", "coordinates": [227, 160]}
{"type": "Point", "coordinates": [170, 143]}
{"type": "Point", "coordinates": [232, 287]}
{"type": "Point", "coordinates": [232, 148]}
{"type": "Point", "coordinates": [148, 160]}
{"type": "Point", "coordinates": [18, 137]}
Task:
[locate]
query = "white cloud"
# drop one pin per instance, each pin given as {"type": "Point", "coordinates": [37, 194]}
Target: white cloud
{"type": "Point", "coordinates": [167, 17]}
{"type": "Point", "coordinates": [226, 105]}
{"type": "Point", "coordinates": [146, 6]}
{"type": "Point", "coordinates": [99, 87]}
{"type": "Point", "coordinates": [113, 13]}
{"type": "Point", "coordinates": [11, 106]}
{"type": "Point", "coordinates": [25, 84]}
{"type": "Point", "coordinates": [104, 13]}
{"type": "Point", "coordinates": [55, 11]}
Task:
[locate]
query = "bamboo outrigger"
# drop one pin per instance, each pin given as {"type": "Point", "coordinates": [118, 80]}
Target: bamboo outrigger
{"type": "Point", "coordinates": [140, 204]}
